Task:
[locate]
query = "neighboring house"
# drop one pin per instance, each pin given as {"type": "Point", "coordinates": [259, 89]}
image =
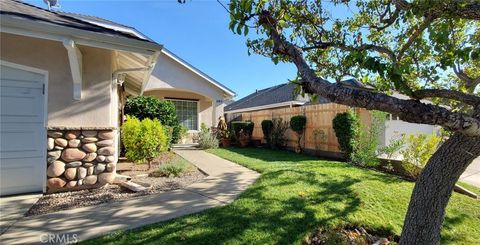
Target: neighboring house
{"type": "Point", "coordinates": [198, 98]}
{"type": "Point", "coordinates": [61, 77]}
{"type": "Point", "coordinates": [283, 96]}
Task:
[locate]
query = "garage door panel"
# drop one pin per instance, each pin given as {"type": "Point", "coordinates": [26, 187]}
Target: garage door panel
{"type": "Point", "coordinates": [22, 131]}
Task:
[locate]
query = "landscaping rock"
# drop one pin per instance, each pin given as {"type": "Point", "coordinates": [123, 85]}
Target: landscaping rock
{"type": "Point", "coordinates": [89, 140]}
{"type": "Point", "coordinates": [73, 164]}
{"type": "Point", "coordinates": [110, 159]}
{"type": "Point", "coordinates": [106, 178]}
{"type": "Point", "coordinates": [81, 173]}
{"type": "Point", "coordinates": [74, 143]}
{"type": "Point", "coordinates": [104, 143]}
{"type": "Point", "coordinates": [58, 148]}
{"type": "Point", "coordinates": [100, 158]}
{"type": "Point", "coordinates": [50, 143]}
{"type": "Point", "coordinates": [106, 135]}
{"type": "Point", "coordinates": [90, 147]}
{"type": "Point", "coordinates": [71, 173]}
{"type": "Point", "coordinates": [56, 169]}
{"type": "Point", "coordinates": [53, 156]}
{"type": "Point", "coordinates": [90, 171]}
{"type": "Point", "coordinates": [71, 135]}
{"type": "Point", "coordinates": [107, 151]}
{"type": "Point", "coordinates": [54, 134]}
{"type": "Point", "coordinates": [111, 167]}
{"type": "Point", "coordinates": [89, 133]}
{"type": "Point", "coordinates": [56, 183]}
{"type": "Point", "coordinates": [73, 154]}
{"type": "Point", "coordinates": [71, 184]}
{"type": "Point", "coordinates": [87, 164]}
{"type": "Point", "coordinates": [80, 182]}
{"type": "Point", "coordinates": [61, 142]}
{"type": "Point", "coordinates": [100, 168]}
{"type": "Point", "coordinates": [90, 157]}
{"type": "Point", "coordinates": [90, 180]}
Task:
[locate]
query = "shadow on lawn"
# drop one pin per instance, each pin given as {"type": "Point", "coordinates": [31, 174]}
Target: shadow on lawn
{"type": "Point", "coordinates": [283, 206]}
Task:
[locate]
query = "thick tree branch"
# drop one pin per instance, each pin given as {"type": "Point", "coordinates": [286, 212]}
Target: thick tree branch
{"type": "Point", "coordinates": [412, 111]}
{"type": "Point", "coordinates": [379, 49]}
{"type": "Point", "coordinates": [448, 94]}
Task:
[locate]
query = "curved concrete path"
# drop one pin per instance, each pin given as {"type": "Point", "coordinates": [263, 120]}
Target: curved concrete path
{"type": "Point", "coordinates": [225, 182]}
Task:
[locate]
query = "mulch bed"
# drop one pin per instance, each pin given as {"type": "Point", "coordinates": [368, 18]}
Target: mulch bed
{"type": "Point", "coordinates": [139, 172]}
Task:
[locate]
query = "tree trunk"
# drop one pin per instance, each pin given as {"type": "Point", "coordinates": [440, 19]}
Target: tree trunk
{"type": "Point", "coordinates": [434, 187]}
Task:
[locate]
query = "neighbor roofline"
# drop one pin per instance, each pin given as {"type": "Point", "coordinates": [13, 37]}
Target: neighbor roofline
{"type": "Point", "coordinates": [269, 106]}
{"type": "Point", "coordinates": [41, 29]}
{"type": "Point", "coordinates": [198, 72]}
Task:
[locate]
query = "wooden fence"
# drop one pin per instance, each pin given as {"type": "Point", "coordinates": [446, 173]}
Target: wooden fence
{"type": "Point", "coordinates": [319, 135]}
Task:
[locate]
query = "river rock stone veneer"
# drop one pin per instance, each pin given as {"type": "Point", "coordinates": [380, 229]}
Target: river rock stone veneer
{"type": "Point", "coordinates": [79, 159]}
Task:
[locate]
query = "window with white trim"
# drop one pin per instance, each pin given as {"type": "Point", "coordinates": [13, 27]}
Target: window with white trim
{"type": "Point", "coordinates": [187, 113]}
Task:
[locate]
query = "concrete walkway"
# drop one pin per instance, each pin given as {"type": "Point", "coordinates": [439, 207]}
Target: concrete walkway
{"type": "Point", "coordinates": [472, 174]}
{"type": "Point", "coordinates": [225, 182]}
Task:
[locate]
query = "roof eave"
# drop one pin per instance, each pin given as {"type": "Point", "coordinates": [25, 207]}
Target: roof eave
{"type": "Point", "coordinates": [17, 25]}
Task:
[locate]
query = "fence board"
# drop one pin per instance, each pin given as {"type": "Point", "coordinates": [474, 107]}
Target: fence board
{"type": "Point", "coordinates": [319, 133]}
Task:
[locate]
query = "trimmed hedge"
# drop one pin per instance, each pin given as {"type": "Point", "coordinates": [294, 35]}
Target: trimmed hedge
{"type": "Point", "coordinates": [246, 126]}
{"type": "Point", "coordinates": [346, 126]}
{"type": "Point", "coordinates": [297, 123]}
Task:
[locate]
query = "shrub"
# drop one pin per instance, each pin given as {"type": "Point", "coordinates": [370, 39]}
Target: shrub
{"type": "Point", "coordinates": [297, 124]}
{"type": "Point", "coordinates": [206, 139]}
{"type": "Point", "coordinates": [365, 143]}
{"type": "Point", "coordinates": [171, 169]}
{"type": "Point", "coordinates": [419, 148]}
{"type": "Point", "coordinates": [143, 107]}
{"type": "Point", "coordinates": [277, 138]}
{"type": "Point", "coordinates": [346, 126]}
{"type": "Point", "coordinates": [247, 128]}
{"type": "Point", "coordinates": [267, 126]}
{"type": "Point", "coordinates": [143, 140]}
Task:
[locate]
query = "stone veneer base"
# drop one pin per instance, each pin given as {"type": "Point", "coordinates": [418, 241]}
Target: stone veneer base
{"type": "Point", "coordinates": [80, 158]}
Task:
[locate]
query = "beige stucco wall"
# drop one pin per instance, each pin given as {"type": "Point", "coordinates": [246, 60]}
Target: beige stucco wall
{"type": "Point", "coordinates": [94, 109]}
{"type": "Point", "coordinates": [169, 75]}
{"type": "Point", "coordinates": [204, 103]}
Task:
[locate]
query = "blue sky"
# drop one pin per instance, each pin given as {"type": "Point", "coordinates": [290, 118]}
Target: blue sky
{"type": "Point", "coordinates": [197, 32]}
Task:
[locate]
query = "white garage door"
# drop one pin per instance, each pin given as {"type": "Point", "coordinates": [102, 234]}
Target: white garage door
{"type": "Point", "coordinates": [22, 130]}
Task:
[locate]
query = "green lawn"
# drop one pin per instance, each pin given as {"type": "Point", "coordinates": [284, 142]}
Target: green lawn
{"type": "Point", "coordinates": [297, 194]}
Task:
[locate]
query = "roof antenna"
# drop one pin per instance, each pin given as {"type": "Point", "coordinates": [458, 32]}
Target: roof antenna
{"type": "Point", "coordinates": [52, 4]}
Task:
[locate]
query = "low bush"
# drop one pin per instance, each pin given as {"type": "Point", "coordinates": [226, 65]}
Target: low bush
{"type": "Point", "coordinates": [267, 126]}
{"type": "Point", "coordinates": [419, 148]}
{"type": "Point", "coordinates": [144, 140]}
{"type": "Point", "coordinates": [246, 127]}
{"type": "Point", "coordinates": [206, 139]}
{"type": "Point", "coordinates": [143, 107]}
{"type": "Point", "coordinates": [171, 169]}
{"type": "Point", "coordinates": [365, 143]}
{"type": "Point", "coordinates": [297, 124]}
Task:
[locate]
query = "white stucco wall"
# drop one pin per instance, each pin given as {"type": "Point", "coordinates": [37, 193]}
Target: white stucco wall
{"type": "Point", "coordinates": [172, 79]}
{"type": "Point", "coordinates": [95, 107]}
{"type": "Point", "coordinates": [396, 128]}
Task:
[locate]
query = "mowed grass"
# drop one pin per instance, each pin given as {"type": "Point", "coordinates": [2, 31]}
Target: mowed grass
{"type": "Point", "coordinates": [297, 194]}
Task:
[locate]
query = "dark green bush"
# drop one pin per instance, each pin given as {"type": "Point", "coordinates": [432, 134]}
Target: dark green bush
{"type": "Point", "coordinates": [297, 124]}
{"type": "Point", "coordinates": [346, 126]}
{"type": "Point", "coordinates": [247, 128]}
{"type": "Point", "coordinates": [143, 107]}
{"type": "Point", "coordinates": [267, 126]}
{"type": "Point", "coordinates": [278, 140]}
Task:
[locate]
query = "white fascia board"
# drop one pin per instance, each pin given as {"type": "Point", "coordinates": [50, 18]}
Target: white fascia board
{"type": "Point", "coordinates": [45, 30]}
{"type": "Point", "coordinates": [152, 61]}
{"type": "Point", "coordinates": [269, 106]}
{"type": "Point", "coordinates": [75, 60]}
{"type": "Point", "coordinates": [198, 72]}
